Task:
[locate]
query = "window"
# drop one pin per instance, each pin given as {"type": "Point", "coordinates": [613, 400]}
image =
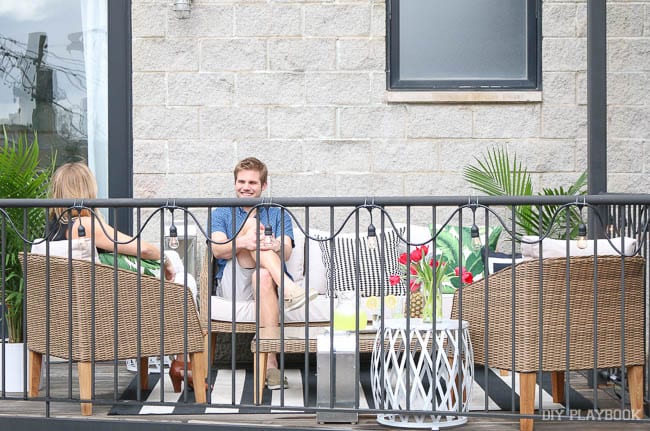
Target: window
{"type": "Point", "coordinates": [464, 45]}
{"type": "Point", "coordinates": [57, 61]}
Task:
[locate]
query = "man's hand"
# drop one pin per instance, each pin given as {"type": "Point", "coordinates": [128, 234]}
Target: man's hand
{"type": "Point", "coordinates": [272, 244]}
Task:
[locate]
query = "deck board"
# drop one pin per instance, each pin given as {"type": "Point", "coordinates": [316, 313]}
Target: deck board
{"type": "Point", "coordinates": [105, 378]}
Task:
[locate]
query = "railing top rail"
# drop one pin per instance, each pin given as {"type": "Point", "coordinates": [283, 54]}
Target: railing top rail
{"type": "Point", "coordinates": [322, 201]}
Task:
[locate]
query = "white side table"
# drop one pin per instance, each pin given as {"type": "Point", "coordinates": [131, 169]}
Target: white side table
{"type": "Point", "coordinates": [440, 371]}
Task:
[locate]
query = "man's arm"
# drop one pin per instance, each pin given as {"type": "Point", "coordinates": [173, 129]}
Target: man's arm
{"type": "Point", "coordinates": [287, 238]}
{"type": "Point", "coordinates": [246, 240]}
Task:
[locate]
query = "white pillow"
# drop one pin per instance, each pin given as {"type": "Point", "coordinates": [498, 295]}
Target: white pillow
{"type": "Point", "coordinates": [81, 248]}
{"type": "Point", "coordinates": [296, 262]}
{"type": "Point", "coordinates": [317, 273]}
{"type": "Point", "coordinates": [557, 247]}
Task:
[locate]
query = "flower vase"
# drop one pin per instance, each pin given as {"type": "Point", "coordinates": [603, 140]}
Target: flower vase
{"type": "Point", "coordinates": [427, 311]}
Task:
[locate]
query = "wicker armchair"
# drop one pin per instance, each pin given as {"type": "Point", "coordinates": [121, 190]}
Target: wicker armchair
{"type": "Point", "coordinates": [493, 318]}
{"type": "Point", "coordinates": [52, 281]}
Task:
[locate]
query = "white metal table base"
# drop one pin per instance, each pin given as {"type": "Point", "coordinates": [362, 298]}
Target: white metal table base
{"type": "Point", "coordinates": [437, 373]}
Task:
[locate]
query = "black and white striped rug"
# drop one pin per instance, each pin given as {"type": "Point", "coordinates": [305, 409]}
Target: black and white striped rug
{"type": "Point", "coordinates": [498, 396]}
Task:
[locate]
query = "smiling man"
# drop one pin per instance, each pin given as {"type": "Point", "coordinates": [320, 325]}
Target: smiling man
{"type": "Point", "coordinates": [250, 181]}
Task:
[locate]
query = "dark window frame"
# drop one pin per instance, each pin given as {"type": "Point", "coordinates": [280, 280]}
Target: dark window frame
{"type": "Point", "coordinates": [120, 107]}
{"type": "Point", "coordinates": [534, 69]}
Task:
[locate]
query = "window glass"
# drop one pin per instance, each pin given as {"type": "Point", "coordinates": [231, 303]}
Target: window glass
{"type": "Point", "coordinates": [53, 78]}
{"type": "Point", "coordinates": [463, 43]}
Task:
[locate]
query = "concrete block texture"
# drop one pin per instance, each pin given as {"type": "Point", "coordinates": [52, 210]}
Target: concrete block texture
{"type": "Point", "coordinates": [268, 19]}
{"type": "Point", "coordinates": [301, 84]}
{"type": "Point", "coordinates": [338, 20]}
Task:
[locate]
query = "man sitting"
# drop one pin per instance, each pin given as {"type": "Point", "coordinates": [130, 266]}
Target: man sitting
{"type": "Point", "coordinates": [250, 181]}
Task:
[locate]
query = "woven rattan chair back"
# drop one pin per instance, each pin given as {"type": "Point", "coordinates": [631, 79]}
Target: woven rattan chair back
{"type": "Point", "coordinates": [528, 305]}
{"type": "Point", "coordinates": [116, 317]}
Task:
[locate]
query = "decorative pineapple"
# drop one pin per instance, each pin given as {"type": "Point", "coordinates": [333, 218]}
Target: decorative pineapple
{"type": "Point", "coordinates": [417, 303]}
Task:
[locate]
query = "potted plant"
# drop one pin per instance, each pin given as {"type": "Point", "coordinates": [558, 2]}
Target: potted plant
{"type": "Point", "coordinates": [497, 175]}
{"type": "Point", "coordinates": [21, 177]}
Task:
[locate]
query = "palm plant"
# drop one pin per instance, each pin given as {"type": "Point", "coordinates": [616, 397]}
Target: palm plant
{"type": "Point", "coordinates": [21, 177]}
{"type": "Point", "coordinates": [497, 175]}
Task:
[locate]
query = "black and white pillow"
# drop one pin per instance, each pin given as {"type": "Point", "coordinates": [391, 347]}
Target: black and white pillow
{"type": "Point", "coordinates": [341, 264]}
{"type": "Point", "coordinates": [498, 261]}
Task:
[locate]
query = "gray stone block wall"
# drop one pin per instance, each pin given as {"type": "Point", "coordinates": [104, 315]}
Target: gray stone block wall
{"type": "Point", "coordinates": [301, 84]}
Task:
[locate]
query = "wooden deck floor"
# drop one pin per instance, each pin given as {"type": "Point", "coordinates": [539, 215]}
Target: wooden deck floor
{"type": "Point", "coordinates": [105, 378]}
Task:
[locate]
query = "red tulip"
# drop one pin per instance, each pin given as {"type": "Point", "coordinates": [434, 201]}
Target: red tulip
{"type": "Point", "coordinates": [413, 270]}
{"type": "Point", "coordinates": [467, 277]}
{"type": "Point", "coordinates": [416, 255]}
{"type": "Point", "coordinates": [394, 280]}
{"type": "Point", "coordinates": [414, 285]}
{"type": "Point", "coordinates": [402, 258]}
{"type": "Point", "coordinates": [424, 249]}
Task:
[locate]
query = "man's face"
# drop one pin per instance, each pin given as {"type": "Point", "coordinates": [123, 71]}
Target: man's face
{"type": "Point", "coordinates": [248, 184]}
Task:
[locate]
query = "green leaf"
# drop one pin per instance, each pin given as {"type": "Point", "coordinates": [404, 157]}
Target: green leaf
{"type": "Point", "coordinates": [21, 177]}
{"type": "Point", "coordinates": [496, 174]}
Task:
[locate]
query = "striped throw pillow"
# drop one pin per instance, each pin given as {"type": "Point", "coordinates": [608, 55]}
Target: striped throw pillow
{"type": "Point", "coordinates": [341, 264]}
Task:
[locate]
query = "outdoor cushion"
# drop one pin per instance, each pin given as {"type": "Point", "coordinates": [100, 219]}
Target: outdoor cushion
{"type": "Point", "coordinates": [557, 247]}
{"type": "Point", "coordinates": [341, 264]}
{"type": "Point", "coordinates": [81, 248]}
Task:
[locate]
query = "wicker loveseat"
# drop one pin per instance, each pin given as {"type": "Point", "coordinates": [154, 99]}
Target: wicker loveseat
{"type": "Point", "coordinates": [71, 295]}
{"type": "Point", "coordinates": [531, 305]}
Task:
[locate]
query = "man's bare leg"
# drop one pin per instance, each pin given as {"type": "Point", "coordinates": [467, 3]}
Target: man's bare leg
{"type": "Point", "coordinates": [269, 315]}
{"type": "Point", "coordinates": [269, 260]}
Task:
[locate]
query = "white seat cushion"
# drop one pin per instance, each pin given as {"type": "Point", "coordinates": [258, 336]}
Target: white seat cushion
{"type": "Point", "coordinates": [319, 309]}
{"type": "Point", "coordinates": [557, 247]}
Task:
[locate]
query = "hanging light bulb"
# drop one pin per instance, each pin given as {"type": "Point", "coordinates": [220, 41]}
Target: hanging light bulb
{"type": "Point", "coordinates": [268, 235]}
{"type": "Point", "coordinates": [172, 242]}
{"type": "Point", "coordinates": [81, 230]}
{"type": "Point", "coordinates": [373, 241]}
{"type": "Point", "coordinates": [582, 236]}
{"type": "Point", "coordinates": [476, 237]}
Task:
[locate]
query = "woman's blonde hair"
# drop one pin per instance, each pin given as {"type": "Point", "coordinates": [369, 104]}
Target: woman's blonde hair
{"type": "Point", "coordinates": [72, 181]}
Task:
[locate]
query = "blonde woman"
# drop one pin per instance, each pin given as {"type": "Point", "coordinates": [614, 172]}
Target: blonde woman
{"type": "Point", "coordinates": [76, 181]}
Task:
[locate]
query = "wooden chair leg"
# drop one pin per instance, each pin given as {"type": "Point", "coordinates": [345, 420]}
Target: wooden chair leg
{"type": "Point", "coordinates": [635, 386]}
{"type": "Point", "coordinates": [557, 386]}
{"type": "Point", "coordinates": [209, 346]}
{"type": "Point", "coordinates": [259, 375]}
{"type": "Point", "coordinates": [35, 364]}
{"type": "Point", "coordinates": [85, 387]}
{"type": "Point", "coordinates": [199, 374]}
{"type": "Point", "coordinates": [144, 373]}
{"type": "Point", "coordinates": [527, 383]}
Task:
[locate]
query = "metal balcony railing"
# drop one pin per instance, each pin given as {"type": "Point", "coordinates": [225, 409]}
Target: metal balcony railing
{"type": "Point", "coordinates": [557, 314]}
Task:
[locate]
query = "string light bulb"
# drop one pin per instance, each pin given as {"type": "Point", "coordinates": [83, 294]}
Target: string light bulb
{"type": "Point", "coordinates": [268, 235]}
{"type": "Point", "coordinates": [474, 232]}
{"type": "Point", "coordinates": [373, 241]}
{"type": "Point", "coordinates": [81, 230]}
{"type": "Point", "coordinates": [172, 242]}
{"type": "Point", "coordinates": [476, 237]}
{"type": "Point", "coordinates": [582, 231]}
{"type": "Point", "coordinates": [582, 236]}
